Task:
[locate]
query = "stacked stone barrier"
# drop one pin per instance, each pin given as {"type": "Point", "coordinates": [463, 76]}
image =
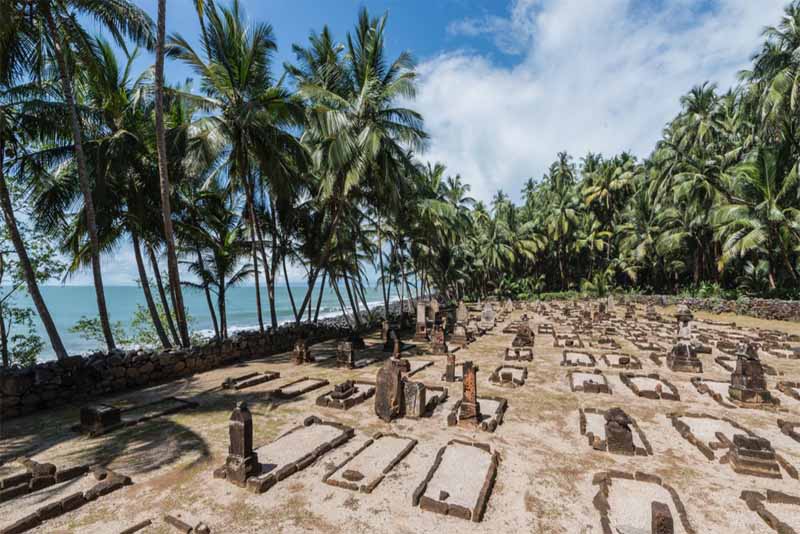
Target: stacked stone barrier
{"type": "Point", "coordinates": [78, 379]}
{"type": "Point", "coordinates": [774, 310]}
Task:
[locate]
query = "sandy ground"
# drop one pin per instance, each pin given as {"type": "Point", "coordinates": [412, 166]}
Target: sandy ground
{"type": "Point", "coordinates": [544, 476]}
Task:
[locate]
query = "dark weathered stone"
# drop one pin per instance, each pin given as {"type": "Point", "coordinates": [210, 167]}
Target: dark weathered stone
{"type": "Point", "coordinates": [748, 384]}
{"type": "Point", "coordinates": [242, 461]}
{"type": "Point", "coordinates": [619, 435]}
{"type": "Point", "coordinates": [99, 418]}
{"type": "Point", "coordinates": [389, 402]}
{"type": "Point", "coordinates": [469, 409]}
{"type": "Point", "coordinates": [661, 519]}
{"type": "Point", "coordinates": [415, 399]}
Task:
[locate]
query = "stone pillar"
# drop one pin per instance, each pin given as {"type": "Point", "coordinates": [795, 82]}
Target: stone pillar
{"type": "Point", "coordinates": [747, 380]}
{"type": "Point", "coordinates": [469, 409]}
{"type": "Point", "coordinates": [450, 369]}
{"type": "Point", "coordinates": [421, 333]}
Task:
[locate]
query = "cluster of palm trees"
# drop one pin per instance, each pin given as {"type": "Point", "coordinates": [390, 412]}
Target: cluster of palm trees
{"type": "Point", "coordinates": [715, 207]}
{"type": "Point", "coordinates": [256, 169]}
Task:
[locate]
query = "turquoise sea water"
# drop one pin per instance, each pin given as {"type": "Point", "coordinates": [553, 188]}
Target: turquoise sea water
{"type": "Point", "coordinates": [68, 303]}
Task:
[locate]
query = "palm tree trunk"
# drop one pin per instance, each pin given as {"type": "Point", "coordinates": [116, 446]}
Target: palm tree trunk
{"type": "Point", "coordinates": [353, 304]}
{"type": "Point", "coordinates": [223, 314]}
{"type": "Point", "coordinates": [166, 209]}
{"type": "Point", "coordinates": [83, 178]}
{"type": "Point", "coordinates": [319, 299]}
{"type": "Point", "coordinates": [383, 272]}
{"type": "Point", "coordinates": [4, 352]}
{"type": "Point", "coordinates": [163, 295]}
{"type": "Point", "coordinates": [148, 295]}
{"type": "Point", "coordinates": [361, 294]}
{"type": "Point", "coordinates": [335, 287]}
{"type": "Point", "coordinates": [289, 288]}
{"type": "Point", "coordinates": [207, 292]}
{"type": "Point", "coordinates": [25, 263]}
{"type": "Point", "coordinates": [254, 252]}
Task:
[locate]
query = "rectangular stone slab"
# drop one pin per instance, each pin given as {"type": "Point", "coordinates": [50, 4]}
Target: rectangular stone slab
{"type": "Point", "coordinates": [296, 450]}
{"type": "Point", "coordinates": [299, 387]}
{"type": "Point", "coordinates": [459, 482]}
{"type": "Point", "coordinates": [365, 469]}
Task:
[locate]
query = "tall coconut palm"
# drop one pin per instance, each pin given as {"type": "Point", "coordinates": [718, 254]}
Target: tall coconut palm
{"type": "Point", "coordinates": [58, 31]}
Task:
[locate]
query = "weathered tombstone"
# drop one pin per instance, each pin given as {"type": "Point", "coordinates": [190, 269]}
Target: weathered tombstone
{"type": "Point", "coordinates": [752, 455]}
{"type": "Point", "coordinates": [462, 314]}
{"type": "Point", "coordinates": [509, 307]}
{"type": "Point", "coordinates": [683, 316]}
{"type": "Point", "coordinates": [99, 418]}
{"type": "Point", "coordinates": [487, 317]}
{"type": "Point", "coordinates": [433, 309]}
{"type": "Point", "coordinates": [459, 337]}
{"type": "Point", "coordinates": [344, 390]}
{"type": "Point", "coordinates": [747, 380]}
{"type": "Point", "coordinates": [345, 355]}
{"type": "Point", "coordinates": [619, 435]}
{"type": "Point", "coordinates": [421, 333]}
{"type": "Point", "coordinates": [389, 402]}
{"type": "Point", "coordinates": [450, 369]}
{"type": "Point", "coordinates": [414, 396]}
{"type": "Point", "coordinates": [661, 519]}
{"type": "Point", "coordinates": [524, 336]}
{"type": "Point", "coordinates": [301, 352]}
{"type": "Point", "coordinates": [469, 409]}
{"type": "Point", "coordinates": [242, 461]}
{"type": "Point", "coordinates": [438, 344]}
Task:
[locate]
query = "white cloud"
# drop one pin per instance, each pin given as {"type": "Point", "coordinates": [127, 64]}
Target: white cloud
{"type": "Point", "coordinates": [603, 76]}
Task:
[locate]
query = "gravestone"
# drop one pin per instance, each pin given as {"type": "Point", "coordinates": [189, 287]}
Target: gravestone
{"type": "Point", "coordinates": [301, 352]}
{"type": "Point", "coordinates": [619, 435]}
{"type": "Point", "coordinates": [469, 409]}
{"type": "Point", "coordinates": [242, 461]}
{"type": "Point", "coordinates": [421, 333]}
{"type": "Point", "coordinates": [683, 356]}
{"type": "Point", "coordinates": [450, 369]}
{"type": "Point", "coordinates": [748, 384]}
{"type": "Point", "coordinates": [462, 314]}
{"type": "Point", "coordinates": [487, 317]}
{"type": "Point", "coordinates": [524, 336]}
{"type": "Point", "coordinates": [389, 402]}
{"type": "Point", "coordinates": [344, 390]}
{"type": "Point", "coordinates": [414, 396]}
{"type": "Point", "coordinates": [98, 418]}
{"type": "Point", "coordinates": [751, 455]}
{"type": "Point", "coordinates": [438, 345]}
{"type": "Point", "coordinates": [345, 355]}
{"type": "Point", "coordinates": [433, 309]}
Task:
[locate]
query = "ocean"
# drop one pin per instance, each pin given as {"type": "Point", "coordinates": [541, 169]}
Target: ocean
{"type": "Point", "coordinates": [68, 304]}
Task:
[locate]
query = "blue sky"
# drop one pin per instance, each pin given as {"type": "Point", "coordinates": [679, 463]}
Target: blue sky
{"type": "Point", "coordinates": [505, 85]}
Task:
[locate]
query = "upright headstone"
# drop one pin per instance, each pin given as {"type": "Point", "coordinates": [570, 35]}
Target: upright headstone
{"type": "Point", "coordinates": [421, 333]}
{"type": "Point", "coordinates": [345, 355]}
{"type": "Point", "coordinates": [469, 409]}
{"type": "Point", "coordinates": [433, 309]}
{"type": "Point", "coordinates": [242, 461]}
{"type": "Point", "coordinates": [450, 369]}
{"type": "Point", "coordinates": [619, 435]}
{"type": "Point", "coordinates": [438, 344]}
{"type": "Point", "coordinates": [462, 314]}
{"type": "Point", "coordinates": [389, 402]}
{"type": "Point", "coordinates": [414, 396]}
{"type": "Point", "coordinates": [301, 352]}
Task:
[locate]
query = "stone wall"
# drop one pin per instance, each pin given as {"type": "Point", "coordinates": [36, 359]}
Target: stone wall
{"type": "Point", "coordinates": [776, 310]}
{"type": "Point", "coordinates": [81, 378]}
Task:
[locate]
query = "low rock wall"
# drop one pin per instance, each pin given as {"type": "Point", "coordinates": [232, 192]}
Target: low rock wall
{"type": "Point", "coordinates": [776, 310]}
{"type": "Point", "coordinates": [81, 378]}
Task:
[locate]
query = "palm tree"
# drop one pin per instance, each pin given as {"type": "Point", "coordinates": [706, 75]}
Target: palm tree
{"type": "Point", "coordinates": [59, 32]}
{"type": "Point", "coordinates": [163, 173]}
{"type": "Point", "coordinates": [252, 114]}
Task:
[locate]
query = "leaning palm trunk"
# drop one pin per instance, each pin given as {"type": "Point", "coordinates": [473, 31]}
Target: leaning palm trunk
{"type": "Point", "coordinates": [163, 295]}
{"type": "Point", "coordinates": [353, 303]}
{"type": "Point", "coordinates": [335, 287]}
{"type": "Point", "coordinates": [166, 209]}
{"type": "Point", "coordinates": [383, 272]}
{"type": "Point", "coordinates": [148, 295]}
{"type": "Point", "coordinates": [319, 300]}
{"type": "Point", "coordinates": [254, 253]}
{"type": "Point", "coordinates": [25, 262]}
{"type": "Point", "coordinates": [83, 178]}
{"type": "Point", "coordinates": [207, 292]}
{"type": "Point", "coordinates": [289, 288]}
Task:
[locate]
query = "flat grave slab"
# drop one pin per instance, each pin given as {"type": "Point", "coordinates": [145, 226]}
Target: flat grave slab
{"type": "Point", "coordinates": [295, 450]}
{"type": "Point", "coordinates": [639, 503]}
{"type": "Point", "coordinates": [577, 359]}
{"type": "Point", "coordinates": [509, 376]}
{"type": "Point", "coordinates": [492, 411]}
{"type": "Point", "coordinates": [588, 382]}
{"type": "Point", "coordinates": [514, 354]}
{"type": "Point", "coordinates": [351, 393]}
{"type": "Point", "coordinates": [780, 511]}
{"type": "Point", "coordinates": [618, 360]}
{"type": "Point", "coordinates": [298, 387]}
{"type": "Point", "coordinates": [460, 481]}
{"type": "Point", "coordinates": [249, 380]}
{"type": "Point", "coordinates": [651, 386]}
{"type": "Point", "coordinates": [592, 422]}
{"type": "Point", "coordinates": [367, 467]}
{"type": "Point", "coordinates": [718, 390]}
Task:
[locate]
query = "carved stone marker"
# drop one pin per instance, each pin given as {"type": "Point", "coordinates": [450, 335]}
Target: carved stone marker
{"type": "Point", "coordinates": [619, 435]}
{"type": "Point", "coordinates": [524, 337]}
{"type": "Point", "coordinates": [462, 314]}
{"type": "Point", "coordinates": [747, 380]}
{"type": "Point", "coordinates": [389, 402]}
{"type": "Point", "coordinates": [242, 461]}
{"type": "Point", "coordinates": [99, 418]}
{"type": "Point", "coordinates": [344, 390]}
{"type": "Point", "coordinates": [450, 369]}
{"type": "Point", "coordinates": [301, 353]}
{"type": "Point", "coordinates": [438, 344]}
{"type": "Point", "coordinates": [345, 355]}
{"type": "Point", "coordinates": [661, 519]}
{"type": "Point", "coordinates": [415, 400]}
{"type": "Point", "coordinates": [751, 455]}
{"type": "Point", "coordinates": [470, 410]}
{"type": "Point", "coordinates": [433, 309]}
{"type": "Point", "coordinates": [421, 333]}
